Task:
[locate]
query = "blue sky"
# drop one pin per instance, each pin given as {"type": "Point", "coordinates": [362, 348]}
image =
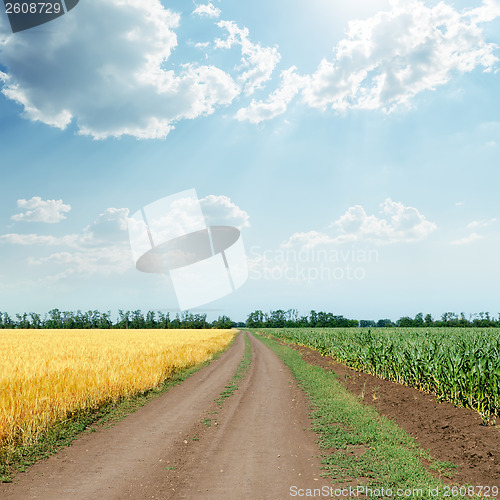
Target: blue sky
{"type": "Point", "coordinates": [338, 138]}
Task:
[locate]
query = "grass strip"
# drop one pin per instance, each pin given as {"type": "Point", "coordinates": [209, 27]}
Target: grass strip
{"type": "Point", "coordinates": [240, 373]}
{"type": "Point", "coordinates": [362, 447]}
{"type": "Point", "coordinates": [63, 433]}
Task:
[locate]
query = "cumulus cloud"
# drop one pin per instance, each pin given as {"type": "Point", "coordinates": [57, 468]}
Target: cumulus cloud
{"type": "Point", "coordinates": [488, 11]}
{"type": "Point", "coordinates": [395, 223]}
{"type": "Point", "coordinates": [207, 10]}
{"type": "Point", "coordinates": [110, 226]}
{"type": "Point", "coordinates": [389, 58]}
{"type": "Point", "coordinates": [257, 62]}
{"type": "Point", "coordinates": [110, 78]}
{"type": "Point", "coordinates": [386, 60]}
{"type": "Point", "coordinates": [115, 78]}
{"type": "Point", "coordinates": [277, 103]}
{"type": "Point", "coordinates": [220, 210]}
{"type": "Point", "coordinates": [38, 210]}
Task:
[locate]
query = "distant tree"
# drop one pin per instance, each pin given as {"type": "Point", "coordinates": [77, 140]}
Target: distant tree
{"type": "Point", "coordinates": [36, 320]}
{"type": "Point", "coordinates": [419, 320]}
{"type": "Point", "coordinates": [163, 320]}
{"type": "Point", "coordinates": [449, 319]}
{"type": "Point", "coordinates": [124, 319]}
{"type": "Point", "coordinates": [54, 319]}
{"type": "Point", "coordinates": [255, 319]}
{"type": "Point", "coordinates": [463, 322]}
{"type": "Point", "coordinates": [137, 320]}
{"type": "Point", "coordinates": [223, 322]}
{"type": "Point", "coordinates": [23, 321]}
{"type": "Point", "coordinates": [404, 322]}
{"type": "Point", "coordinates": [187, 320]}
{"type": "Point", "coordinates": [104, 321]}
{"type": "Point", "coordinates": [176, 322]}
{"type": "Point", "coordinates": [313, 318]}
{"type": "Point", "coordinates": [68, 319]}
{"type": "Point", "coordinates": [365, 323]}
{"type": "Point", "coordinates": [292, 318]}
{"type": "Point", "coordinates": [276, 319]}
{"type": "Point", "coordinates": [150, 319]}
{"type": "Point", "coordinates": [303, 321]}
{"type": "Point", "coordinates": [384, 323]}
{"type": "Point", "coordinates": [8, 322]}
{"type": "Point", "coordinates": [199, 321]}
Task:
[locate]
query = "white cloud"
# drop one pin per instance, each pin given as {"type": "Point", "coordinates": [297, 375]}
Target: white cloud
{"type": "Point", "coordinates": [110, 226]}
{"type": "Point", "coordinates": [308, 240]}
{"type": "Point", "coordinates": [278, 101]}
{"type": "Point", "coordinates": [207, 10]}
{"type": "Point", "coordinates": [396, 223]}
{"type": "Point", "coordinates": [110, 78]}
{"type": "Point", "coordinates": [220, 210]}
{"type": "Point", "coordinates": [488, 11]}
{"type": "Point", "coordinates": [101, 247]}
{"type": "Point", "coordinates": [38, 210]}
{"type": "Point", "coordinates": [106, 261]}
{"type": "Point", "coordinates": [386, 60]}
{"type": "Point", "coordinates": [468, 239]}
{"type": "Point", "coordinates": [481, 223]}
{"type": "Point", "coordinates": [389, 58]}
{"type": "Point", "coordinates": [475, 224]}
{"type": "Point", "coordinates": [259, 62]}
{"type": "Point", "coordinates": [113, 78]}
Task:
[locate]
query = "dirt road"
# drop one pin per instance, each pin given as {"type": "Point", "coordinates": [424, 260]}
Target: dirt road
{"type": "Point", "coordinates": [182, 445]}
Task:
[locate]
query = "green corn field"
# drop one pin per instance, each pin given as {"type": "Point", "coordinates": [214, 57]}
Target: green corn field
{"type": "Point", "coordinates": [459, 365]}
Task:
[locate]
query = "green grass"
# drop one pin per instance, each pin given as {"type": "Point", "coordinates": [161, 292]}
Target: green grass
{"type": "Point", "coordinates": [360, 446]}
{"type": "Point", "coordinates": [65, 432]}
{"type": "Point", "coordinates": [240, 373]}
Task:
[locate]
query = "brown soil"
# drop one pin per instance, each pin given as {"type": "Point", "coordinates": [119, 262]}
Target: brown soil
{"type": "Point", "coordinates": [182, 445]}
{"type": "Point", "coordinates": [451, 434]}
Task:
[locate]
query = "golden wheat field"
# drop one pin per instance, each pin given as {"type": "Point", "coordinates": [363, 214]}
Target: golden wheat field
{"type": "Point", "coordinates": [47, 374]}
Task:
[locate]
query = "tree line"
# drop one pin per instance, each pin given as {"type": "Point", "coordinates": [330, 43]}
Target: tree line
{"type": "Point", "coordinates": [257, 319]}
{"type": "Point", "coordinates": [291, 319]}
{"type": "Point", "coordinates": [126, 319]}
